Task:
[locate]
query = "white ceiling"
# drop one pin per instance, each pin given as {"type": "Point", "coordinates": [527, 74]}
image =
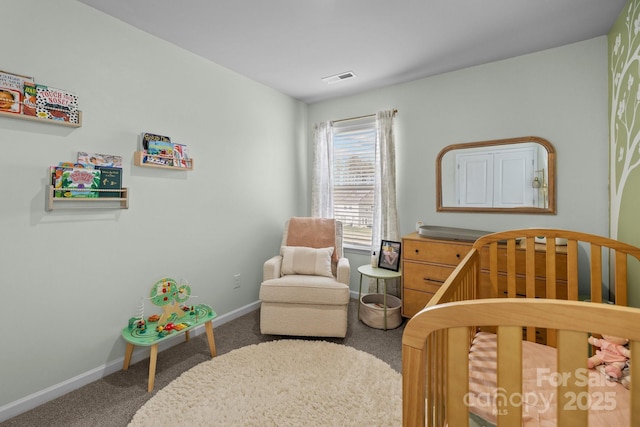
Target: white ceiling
{"type": "Point", "coordinates": [290, 45]}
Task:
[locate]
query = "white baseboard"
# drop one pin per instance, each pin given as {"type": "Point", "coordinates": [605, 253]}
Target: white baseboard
{"type": "Point", "coordinates": [34, 400]}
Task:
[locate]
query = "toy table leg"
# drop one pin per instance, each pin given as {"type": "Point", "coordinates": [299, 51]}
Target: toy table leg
{"type": "Point", "coordinates": [127, 356]}
{"type": "Point", "coordinates": [153, 357]}
{"type": "Point", "coordinates": [186, 336]}
{"type": "Point", "coordinates": [212, 344]}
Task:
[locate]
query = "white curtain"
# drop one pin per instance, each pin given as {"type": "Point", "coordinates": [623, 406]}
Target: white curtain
{"type": "Point", "coordinates": [385, 211]}
{"type": "Point", "coordinates": [385, 216]}
{"type": "Point", "coordinates": [322, 174]}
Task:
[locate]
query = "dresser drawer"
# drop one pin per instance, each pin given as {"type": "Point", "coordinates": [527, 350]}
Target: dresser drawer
{"type": "Point", "coordinates": [413, 301]}
{"type": "Point", "coordinates": [439, 252]}
{"type": "Point", "coordinates": [424, 277]}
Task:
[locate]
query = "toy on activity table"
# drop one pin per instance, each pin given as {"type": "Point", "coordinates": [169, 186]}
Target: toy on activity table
{"type": "Point", "coordinates": [171, 297]}
{"type": "Point", "coordinates": [166, 293]}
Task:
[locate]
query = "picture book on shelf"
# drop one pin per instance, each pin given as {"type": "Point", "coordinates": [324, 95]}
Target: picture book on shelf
{"type": "Point", "coordinates": [56, 104]}
{"type": "Point", "coordinates": [181, 155]}
{"type": "Point", "coordinates": [155, 160]}
{"type": "Point", "coordinates": [78, 182]}
{"type": "Point", "coordinates": [29, 99]}
{"type": "Point", "coordinates": [11, 91]}
{"type": "Point", "coordinates": [146, 137]}
{"type": "Point", "coordinates": [110, 179]}
{"type": "Point", "coordinates": [160, 148]}
{"type": "Point", "coordinates": [56, 174]}
{"type": "Point", "coordinates": [97, 159]}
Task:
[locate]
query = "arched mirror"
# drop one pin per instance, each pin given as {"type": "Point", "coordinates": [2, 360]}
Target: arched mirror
{"type": "Point", "coordinates": [515, 175]}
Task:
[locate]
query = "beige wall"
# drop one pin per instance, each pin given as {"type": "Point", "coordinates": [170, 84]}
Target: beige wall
{"type": "Point", "coordinates": [558, 94]}
{"type": "Point", "coordinates": [72, 279]}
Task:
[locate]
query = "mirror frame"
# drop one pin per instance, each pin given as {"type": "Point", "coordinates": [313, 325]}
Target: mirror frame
{"type": "Point", "coordinates": [551, 176]}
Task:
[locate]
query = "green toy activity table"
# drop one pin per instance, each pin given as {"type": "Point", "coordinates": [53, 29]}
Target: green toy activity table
{"type": "Point", "coordinates": [148, 336]}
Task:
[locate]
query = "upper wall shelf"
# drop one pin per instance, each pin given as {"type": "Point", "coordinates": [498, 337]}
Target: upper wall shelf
{"type": "Point", "coordinates": [140, 158]}
{"type": "Point", "coordinates": [46, 121]}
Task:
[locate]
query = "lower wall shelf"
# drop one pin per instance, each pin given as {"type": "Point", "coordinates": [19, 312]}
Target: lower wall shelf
{"type": "Point", "coordinates": [141, 158]}
{"type": "Point", "coordinates": [121, 201]}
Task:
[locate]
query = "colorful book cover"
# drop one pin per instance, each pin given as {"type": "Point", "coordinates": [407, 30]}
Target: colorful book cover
{"type": "Point", "coordinates": [160, 148]}
{"type": "Point", "coordinates": [29, 99]}
{"type": "Point", "coordinates": [11, 91]}
{"type": "Point", "coordinates": [78, 182]}
{"type": "Point", "coordinates": [97, 159]}
{"type": "Point", "coordinates": [146, 137]}
{"type": "Point", "coordinates": [56, 174]}
{"type": "Point", "coordinates": [155, 160]}
{"type": "Point", "coordinates": [56, 179]}
{"type": "Point", "coordinates": [110, 179]}
{"type": "Point", "coordinates": [181, 155]}
{"type": "Point", "coordinates": [56, 104]}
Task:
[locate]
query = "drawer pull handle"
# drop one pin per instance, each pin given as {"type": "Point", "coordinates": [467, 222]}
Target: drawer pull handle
{"type": "Point", "coordinates": [427, 279]}
{"type": "Point", "coordinates": [457, 255]}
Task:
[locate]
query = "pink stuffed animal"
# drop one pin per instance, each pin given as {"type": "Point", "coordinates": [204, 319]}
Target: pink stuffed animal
{"type": "Point", "coordinates": [612, 353]}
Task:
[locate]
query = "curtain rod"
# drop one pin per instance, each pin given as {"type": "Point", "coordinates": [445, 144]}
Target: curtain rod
{"type": "Point", "coordinates": [360, 117]}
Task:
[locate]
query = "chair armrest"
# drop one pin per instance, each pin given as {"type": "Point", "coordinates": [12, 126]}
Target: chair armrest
{"type": "Point", "coordinates": [343, 271]}
{"type": "Point", "coordinates": [272, 268]}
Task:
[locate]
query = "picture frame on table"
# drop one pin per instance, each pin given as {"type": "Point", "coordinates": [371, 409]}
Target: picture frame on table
{"type": "Point", "coordinates": [389, 257]}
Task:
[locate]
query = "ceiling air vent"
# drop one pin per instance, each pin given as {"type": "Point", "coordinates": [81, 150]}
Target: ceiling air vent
{"type": "Point", "coordinates": [339, 77]}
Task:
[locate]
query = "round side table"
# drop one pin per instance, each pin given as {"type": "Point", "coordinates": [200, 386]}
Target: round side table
{"type": "Point", "coordinates": [378, 274]}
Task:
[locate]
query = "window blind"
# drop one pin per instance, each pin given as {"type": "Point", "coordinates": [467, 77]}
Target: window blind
{"type": "Point", "coordinates": [353, 181]}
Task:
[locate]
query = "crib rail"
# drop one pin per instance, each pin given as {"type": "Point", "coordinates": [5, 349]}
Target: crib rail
{"type": "Point", "coordinates": [573, 320]}
{"type": "Point", "coordinates": [591, 252]}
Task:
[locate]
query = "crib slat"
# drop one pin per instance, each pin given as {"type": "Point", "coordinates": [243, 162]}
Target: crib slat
{"type": "Point", "coordinates": [511, 268]}
{"type": "Point", "coordinates": [493, 270]}
{"type": "Point", "coordinates": [530, 265]}
{"type": "Point", "coordinates": [572, 389]}
{"type": "Point", "coordinates": [551, 284]}
{"type": "Point", "coordinates": [413, 387]}
{"type": "Point", "coordinates": [620, 284]}
{"type": "Point", "coordinates": [457, 376]}
{"type": "Point", "coordinates": [509, 375]}
{"type": "Point", "coordinates": [596, 273]}
{"type": "Point", "coordinates": [572, 270]}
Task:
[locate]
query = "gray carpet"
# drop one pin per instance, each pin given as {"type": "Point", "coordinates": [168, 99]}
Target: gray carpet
{"type": "Point", "coordinates": [113, 400]}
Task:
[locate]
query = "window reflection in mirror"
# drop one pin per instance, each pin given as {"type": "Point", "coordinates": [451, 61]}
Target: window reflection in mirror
{"type": "Point", "coordinates": [508, 175]}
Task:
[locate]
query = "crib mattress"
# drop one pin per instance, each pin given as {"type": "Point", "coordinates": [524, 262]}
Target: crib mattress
{"type": "Point", "coordinates": [608, 401]}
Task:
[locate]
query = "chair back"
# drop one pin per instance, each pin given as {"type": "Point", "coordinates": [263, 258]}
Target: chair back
{"type": "Point", "coordinates": [314, 233]}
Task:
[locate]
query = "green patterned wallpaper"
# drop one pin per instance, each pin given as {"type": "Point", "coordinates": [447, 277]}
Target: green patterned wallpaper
{"type": "Point", "coordinates": [624, 134]}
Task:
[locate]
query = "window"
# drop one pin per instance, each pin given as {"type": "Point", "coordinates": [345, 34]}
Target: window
{"type": "Point", "coordinates": [354, 151]}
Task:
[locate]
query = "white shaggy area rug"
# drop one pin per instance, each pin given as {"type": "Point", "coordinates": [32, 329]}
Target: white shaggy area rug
{"type": "Point", "coordinates": [281, 383]}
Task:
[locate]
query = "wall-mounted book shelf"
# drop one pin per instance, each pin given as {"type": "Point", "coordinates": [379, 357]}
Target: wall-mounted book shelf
{"type": "Point", "coordinates": [140, 158]}
{"type": "Point", "coordinates": [119, 200]}
{"type": "Point", "coordinates": [46, 121]}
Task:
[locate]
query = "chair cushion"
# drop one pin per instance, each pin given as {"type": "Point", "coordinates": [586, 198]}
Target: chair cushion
{"type": "Point", "coordinates": [299, 289]}
{"type": "Point", "coordinates": [303, 260]}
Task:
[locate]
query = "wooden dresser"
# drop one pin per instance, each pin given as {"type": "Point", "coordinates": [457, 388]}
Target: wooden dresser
{"type": "Point", "coordinates": [426, 264]}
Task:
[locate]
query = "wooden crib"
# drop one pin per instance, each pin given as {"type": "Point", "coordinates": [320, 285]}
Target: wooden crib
{"type": "Point", "coordinates": [519, 312]}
